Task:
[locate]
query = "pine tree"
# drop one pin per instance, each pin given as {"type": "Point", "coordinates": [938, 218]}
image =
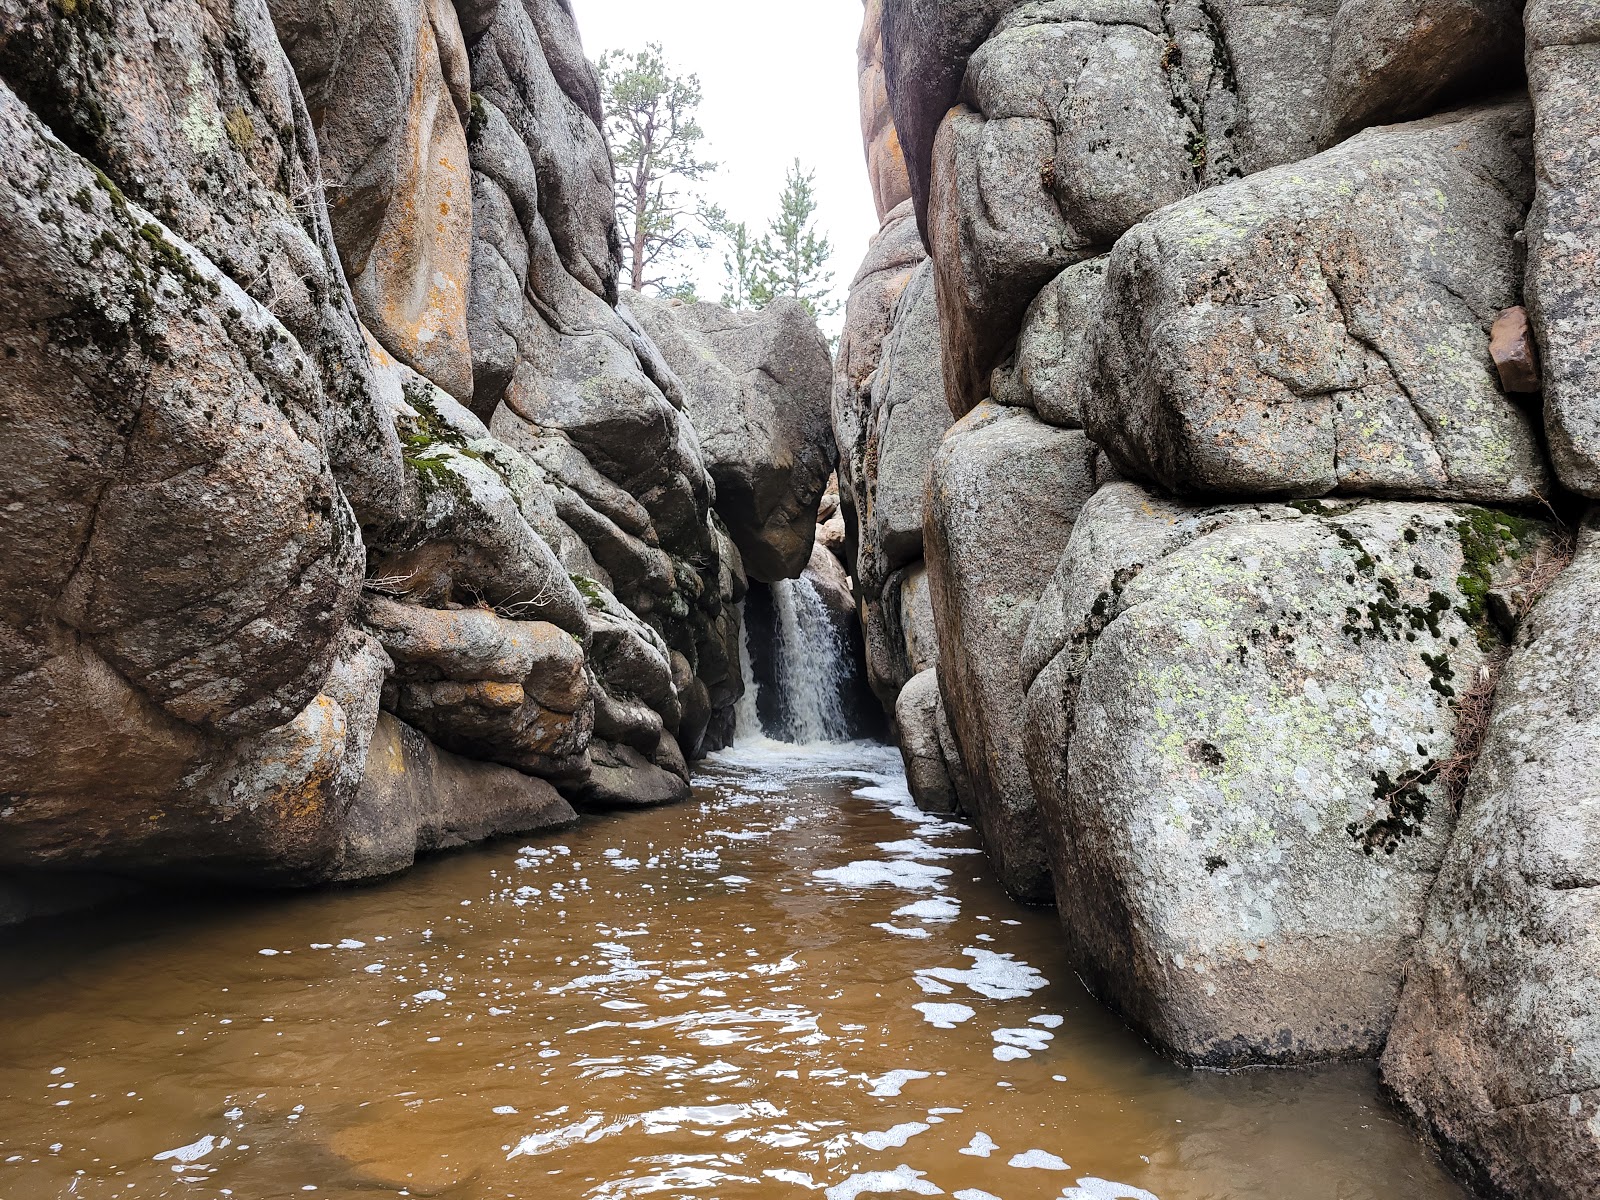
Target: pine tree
{"type": "Point", "coordinates": [793, 255]}
{"type": "Point", "coordinates": [655, 139]}
{"type": "Point", "coordinates": [742, 264]}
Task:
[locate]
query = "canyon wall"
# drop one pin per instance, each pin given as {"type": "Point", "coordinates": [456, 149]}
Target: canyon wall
{"type": "Point", "coordinates": [1216, 416]}
{"type": "Point", "coordinates": [353, 514]}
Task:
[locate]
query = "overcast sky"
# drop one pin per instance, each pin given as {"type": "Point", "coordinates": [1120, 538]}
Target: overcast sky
{"type": "Point", "coordinates": [779, 78]}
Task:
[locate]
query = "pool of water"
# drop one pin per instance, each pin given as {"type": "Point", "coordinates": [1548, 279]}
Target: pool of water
{"type": "Point", "coordinates": [795, 985]}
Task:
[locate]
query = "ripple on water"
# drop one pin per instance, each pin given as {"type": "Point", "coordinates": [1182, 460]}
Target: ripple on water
{"type": "Point", "coordinates": [785, 987]}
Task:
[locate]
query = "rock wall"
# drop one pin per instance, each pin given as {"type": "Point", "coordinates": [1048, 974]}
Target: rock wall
{"type": "Point", "coordinates": [1236, 527]}
{"type": "Point", "coordinates": [354, 514]}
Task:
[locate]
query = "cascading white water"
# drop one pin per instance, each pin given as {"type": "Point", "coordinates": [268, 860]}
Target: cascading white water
{"type": "Point", "coordinates": [747, 715]}
{"type": "Point", "coordinates": [812, 665]}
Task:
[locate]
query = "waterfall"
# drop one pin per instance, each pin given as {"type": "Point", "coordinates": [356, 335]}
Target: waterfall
{"type": "Point", "coordinates": [812, 665]}
{"type": "Point", "coordinates": [747, 716]}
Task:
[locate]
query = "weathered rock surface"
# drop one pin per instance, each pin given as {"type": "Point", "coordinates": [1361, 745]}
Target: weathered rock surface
{"type": "Point", "coordinates": [919, 718]}
{"type": "Point", "coordinates": [255, 533]}
{"type": "Point", "coordinates": [1496, 1047]}
{"type": "Point", "coordinates": [987, 569]}
{"type": "Point", "coordinates": [1324, 326]}
{"type": "Point", "coordinates": [418, 799]}
{"type": "Point", "coordinates": [1049, 369]}
{"type": "Point", "coordinates": [1564, 231]}
{"type": "Point", "coordinates": [869, 315]}
{"type": "Point", "coordinates": [907, 421]}
{"type": "Point", "coordinates": [389, 91]}
{"type": "Point", "coordinates": [1241, 723]}
{"type": "Point", "coordinates": [757, 387]}
{"type": "Point", "coordinates": [886, 160]}
{"type": "Point", "coordinates": [1391, 60]}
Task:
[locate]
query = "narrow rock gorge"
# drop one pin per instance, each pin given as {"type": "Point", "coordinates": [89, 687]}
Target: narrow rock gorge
{"type": "Point", "coordinates": [1200, 493]}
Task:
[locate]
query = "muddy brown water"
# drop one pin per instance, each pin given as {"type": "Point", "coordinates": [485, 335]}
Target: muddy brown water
{"type": "Point", "coordinates": [796, 985]}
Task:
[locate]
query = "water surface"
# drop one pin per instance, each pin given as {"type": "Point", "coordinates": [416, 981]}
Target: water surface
{"type": "Point", "coordinates": [796, 985]}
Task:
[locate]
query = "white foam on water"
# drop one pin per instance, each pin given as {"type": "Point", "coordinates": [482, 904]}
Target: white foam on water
{"type": "Point", "coordinates": [944, 1016]}
{"type": "Point", "coordinates": [892, 1138]}
{"type": "Point", "coordinates": [912, 876]}
{"type": "Point", "coordinates": [995, 975]}
{"type": "Point", "coordinates": [194, 1151]}
{"type": "Point", "coordinates": [890, 1084]}
{"type": "Point", "coordinates": [429, 996]}
{"type": "Point", "coordinates": [912, 932]}
{"type": "Point", "coordinates": [902, 1181]}
{"type": "Point", "coordinates": [917, 848]}
{"type": "Point", "coordinates": [975, 1194]}
{"type": "Point", "coordinates": [1103, 1189]}
{"type": "Point", "coordinates": [939, 908]}
{"type": "Point", "coordinates": [1049, 1021]}
{"type": "Point", "coordinates": [1037, 1160]}
{"type": "Point", "coordinates": [981, 1146]}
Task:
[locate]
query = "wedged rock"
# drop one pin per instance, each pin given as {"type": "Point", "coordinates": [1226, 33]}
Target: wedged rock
{"type": "Point", "coordinates": [918, 715]}
{"type": "Point", "coordinates": [1241, 724]}
{"type": "Point", "coordinates": [1324, 326]}
{"type": "Point", "coordinates": [909, 417]}
{"type": "Point", "coordinates": [195, 115]}
{"type": "Point", "coordinates": [1496, 1046]}
{"type": "Point", "coordinates": [512, 692]}
{"type": "Point", "coordinates": [389, 91]}
{"type": "Point", "coordinates": [869, 314]}
{"type": "Point", "coordinates": [1049, 370]}
{"type": "Point", "coordinates": [886, 161]}
{"type": "Point", "coordinates": [757, 388]}
{"type": "Point", "coordinates": [1564, 231]}
{"type": "Point", "coordinates": [417, 799]}
{"type": "Point", "coordinates": [1393, 60]}
{"type": "Point", "coordinates": [827, 574]}
{"type": "Point", "coordinates": [987, 567]}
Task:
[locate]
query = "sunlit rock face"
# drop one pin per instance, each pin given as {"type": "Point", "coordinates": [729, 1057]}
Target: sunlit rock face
{"type": "Point", "coordinates": [331, 436]}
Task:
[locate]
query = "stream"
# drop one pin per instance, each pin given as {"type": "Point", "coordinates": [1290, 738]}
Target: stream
{"type": "Point", "coordinates": [797, 984]}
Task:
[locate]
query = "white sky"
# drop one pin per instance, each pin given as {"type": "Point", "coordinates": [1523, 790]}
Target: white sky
{"type": "Point", "coordinates": [779, 78]}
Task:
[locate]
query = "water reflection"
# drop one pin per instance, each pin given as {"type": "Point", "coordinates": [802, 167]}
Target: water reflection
{"type": "Point", "coordinates": [799, 984]}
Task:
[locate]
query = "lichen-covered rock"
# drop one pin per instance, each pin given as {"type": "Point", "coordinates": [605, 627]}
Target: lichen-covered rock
{"type": "Point", "coordinates": [1241, 723]}
{"type": "Point", "coordinates": [1496, 1047]}
{"type": "Point", "coordinates": [1564, 230]}
{"type": "Point", "coordinates": [1004, 492]}
{"type": "Point", "coordinates": [1324, 326]}
{"type": "Point", "coordinates": [389, 92]}
{"type": "Point", "coordinates": [417, 799]}
{"type": "Point", "coordinates": [757, 387]}
{"type": "Point", "coordinates": [886, 161]}
{"type": "Point", "coordinates": [195, 115]}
